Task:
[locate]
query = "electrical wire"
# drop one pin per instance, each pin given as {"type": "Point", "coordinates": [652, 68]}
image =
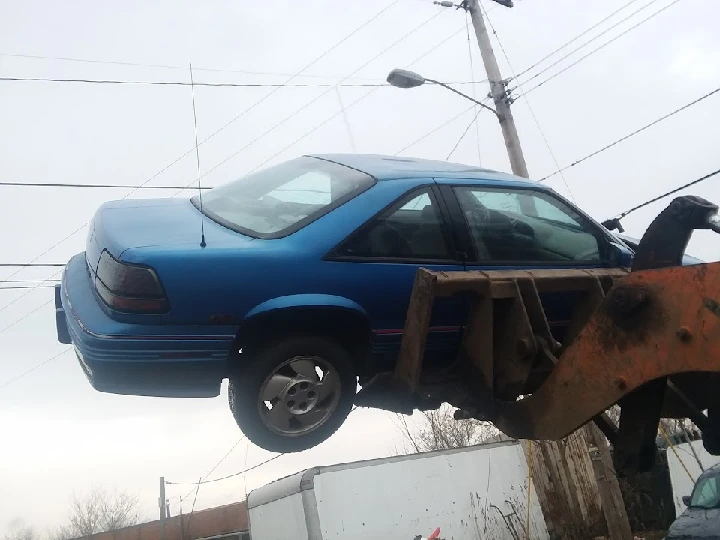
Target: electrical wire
{"type": "Point", "coordinates": [166, 66]}
{"type": "Point", "coordinates": [457, 143]}
{"type": "Point", "coordinates": [192, 510]}
{"type": "Point", "coordinates": [31, 265]}
{"type": "Point", "coordinates": [239, 473]}
{"type": "Point", "coordinates": [221, 128]}
{"type": "Point", "coordinates": [180, 83]}
{"type": "Point", "coordinates": [21, 287]}
{"type": "Point", "coordinates": [595, 38]}
{"type": "Point", "coordinates": [598, 49]}
{"type": "Point", "coordinates": [222, 459]}
{"type": "Point", "coordinates": [573, 40]}
{"type": "Point", "coordinates": [346, 120]}
{"type": "Point", "coordinates": [632, 134]}
{"type": "Point", "coordinates": [210, 85]}
{"type": "Point", "coordinates": [14, 379]}
{"type": "Point", "coordinates": [27, 280]}
{"type": "Point", "coordinates": [667, 194]}
{"type": "Point", "coordinates": [86, 186]}
{"type": "Point", "coordinates": [529, 106]}
{"type": "Point", "coordinates": [199, 482]}
{"type": "Point", "coordinates": [474, 95]}
{"type": "Point", "coordinates": [435, 130]}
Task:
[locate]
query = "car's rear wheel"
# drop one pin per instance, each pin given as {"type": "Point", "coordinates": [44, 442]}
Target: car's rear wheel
{"type": "Point", "coordinates": [292, 394]}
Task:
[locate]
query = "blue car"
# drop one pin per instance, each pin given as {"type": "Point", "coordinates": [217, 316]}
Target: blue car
{"type": "Point", "coordinates": [293, 282]}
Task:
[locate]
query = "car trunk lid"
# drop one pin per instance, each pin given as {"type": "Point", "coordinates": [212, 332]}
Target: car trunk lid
{"type": "Point", "coordinates": [121, 225]}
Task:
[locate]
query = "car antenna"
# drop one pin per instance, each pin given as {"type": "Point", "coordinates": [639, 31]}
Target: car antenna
{"type": "Point", "coordinates": [197, 159]}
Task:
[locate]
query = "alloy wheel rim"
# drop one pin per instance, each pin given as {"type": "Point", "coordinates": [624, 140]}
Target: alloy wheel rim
{"type": "Point", "coordinates": [299, 395]}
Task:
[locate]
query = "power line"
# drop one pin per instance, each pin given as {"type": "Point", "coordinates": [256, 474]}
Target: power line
{"type": "Point", "coordinates": [87, 186]}
{"type": "Point", "coordinates": [529, 106]}
{"type": "Point", "coordinates": [474, 95]}
{"type": "Point", "coordinates": [14, 379]}
{"type": "Point", "coordinates": [239, 473]}
{"type": "Point", "coordinates": [211, 85]}
{"type": "Point", "coordinates": [212, 70]}
{"type": "Point", "coordinates": [17, 287]}
{"type": "Point", "coordinates": [436, 129]}
{"type": "Point", "coordinates": [667, 194]}
{"type": "Point", "coordinates": [200, 482]}
{"type": "Point", "coordinates": [581, 34]}
{"type": "Point", "coordinates": [216, 465]}
{"type": "Point", "coordinates": [597, 49]}
{"type": "Point", "coordinates": [180, 83]}
{"type": "Point", "coordinates": [27, 281]}
{"type": "Point", "coordinates": [33, 264]}
{"type": "Point", "coordinates": [632, 134]}
{"type": "Point", "coordinates": [237, 117]}
{"type": "Point", "coordinates": [346, 120]}
{"type": "Point", "coordinates": [166, 66]}
{"type": "Point", "coordinates": [464, 133]}
{"type": "Point", "coordinates": [192, 510]}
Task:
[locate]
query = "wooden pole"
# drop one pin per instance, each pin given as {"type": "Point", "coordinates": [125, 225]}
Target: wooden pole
{"type": "Point", "coordinates": [613, 505]}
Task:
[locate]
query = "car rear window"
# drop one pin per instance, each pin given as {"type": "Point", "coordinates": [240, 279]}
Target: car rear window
{"type": "Point", "coordinates": [280, 200]}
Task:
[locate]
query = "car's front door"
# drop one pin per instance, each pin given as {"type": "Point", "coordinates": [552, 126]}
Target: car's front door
{"type": "Point", "coordinates": [384, 256]}
{"type": "Point", "coordinates": [521, 228]}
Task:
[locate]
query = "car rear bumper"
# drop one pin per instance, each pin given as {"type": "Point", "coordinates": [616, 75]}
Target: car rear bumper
{"type": "Point", "coordinates": [147, 360]}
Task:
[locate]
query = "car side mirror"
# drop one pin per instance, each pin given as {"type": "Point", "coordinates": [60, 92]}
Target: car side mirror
{"type": "Point", "coordinates": [686, 500]}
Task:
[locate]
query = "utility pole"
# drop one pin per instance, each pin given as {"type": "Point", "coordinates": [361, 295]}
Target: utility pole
{"type": "Point", "coordinates": [498, 91]}
{"type": "Point", "coordinates": [556, 463]}
{"type": "Point", "coordinates": [163, 506]}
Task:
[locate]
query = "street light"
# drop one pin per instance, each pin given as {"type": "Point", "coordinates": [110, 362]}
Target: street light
{"type": "Point", "coordinates": [402, 78]}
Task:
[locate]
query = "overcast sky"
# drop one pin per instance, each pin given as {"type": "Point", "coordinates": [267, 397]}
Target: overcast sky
{"type": "Point", "coordinates": [57, 434]}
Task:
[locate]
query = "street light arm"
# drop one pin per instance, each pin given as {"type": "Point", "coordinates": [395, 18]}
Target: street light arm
{"type": "Point", "coordinates": [458, 92]}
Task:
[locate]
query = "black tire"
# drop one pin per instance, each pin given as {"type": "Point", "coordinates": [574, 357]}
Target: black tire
{"type": "Point", "coordinates": [251, 374]}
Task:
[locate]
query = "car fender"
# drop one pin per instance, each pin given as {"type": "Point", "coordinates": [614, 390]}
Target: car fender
{"type": "Point", "coordinates": [305, 301]}
{"type": "Point", "coordinates": [334, 312]}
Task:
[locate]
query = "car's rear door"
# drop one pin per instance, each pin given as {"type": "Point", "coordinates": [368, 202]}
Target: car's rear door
{"type": "Point", "coordinates": [380, 261]}
{"type": "Point", "coordinates": [507, 226]}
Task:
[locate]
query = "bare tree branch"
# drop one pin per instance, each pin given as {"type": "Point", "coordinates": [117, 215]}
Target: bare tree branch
{"type": "Point", "coordinates": [438, 430]}
{"type": "Point", "coordinates": [17, 530]}
{"type": "Point", "coordinates": [98, 511]}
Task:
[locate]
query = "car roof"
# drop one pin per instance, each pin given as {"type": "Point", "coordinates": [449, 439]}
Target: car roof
{"type": "Point", "coordinates": [393, 167]}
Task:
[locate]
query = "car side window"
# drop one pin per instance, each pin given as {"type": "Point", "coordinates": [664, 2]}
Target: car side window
{"type": "Point", "coordinates": [410, 229]}
{"type": "Point", "coordinates": [504, 230]}
{"type": "Point", "coordinates": [707, 494]}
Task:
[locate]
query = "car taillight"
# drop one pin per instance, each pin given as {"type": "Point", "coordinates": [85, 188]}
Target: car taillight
{"type": "Point", "coordinates": [129, 287]}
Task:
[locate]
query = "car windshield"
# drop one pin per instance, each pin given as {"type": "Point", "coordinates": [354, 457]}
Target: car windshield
{"type": "Point", "coordinates": [279, 200]}
{"type": "Point", "coordinates": [706, 493]}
